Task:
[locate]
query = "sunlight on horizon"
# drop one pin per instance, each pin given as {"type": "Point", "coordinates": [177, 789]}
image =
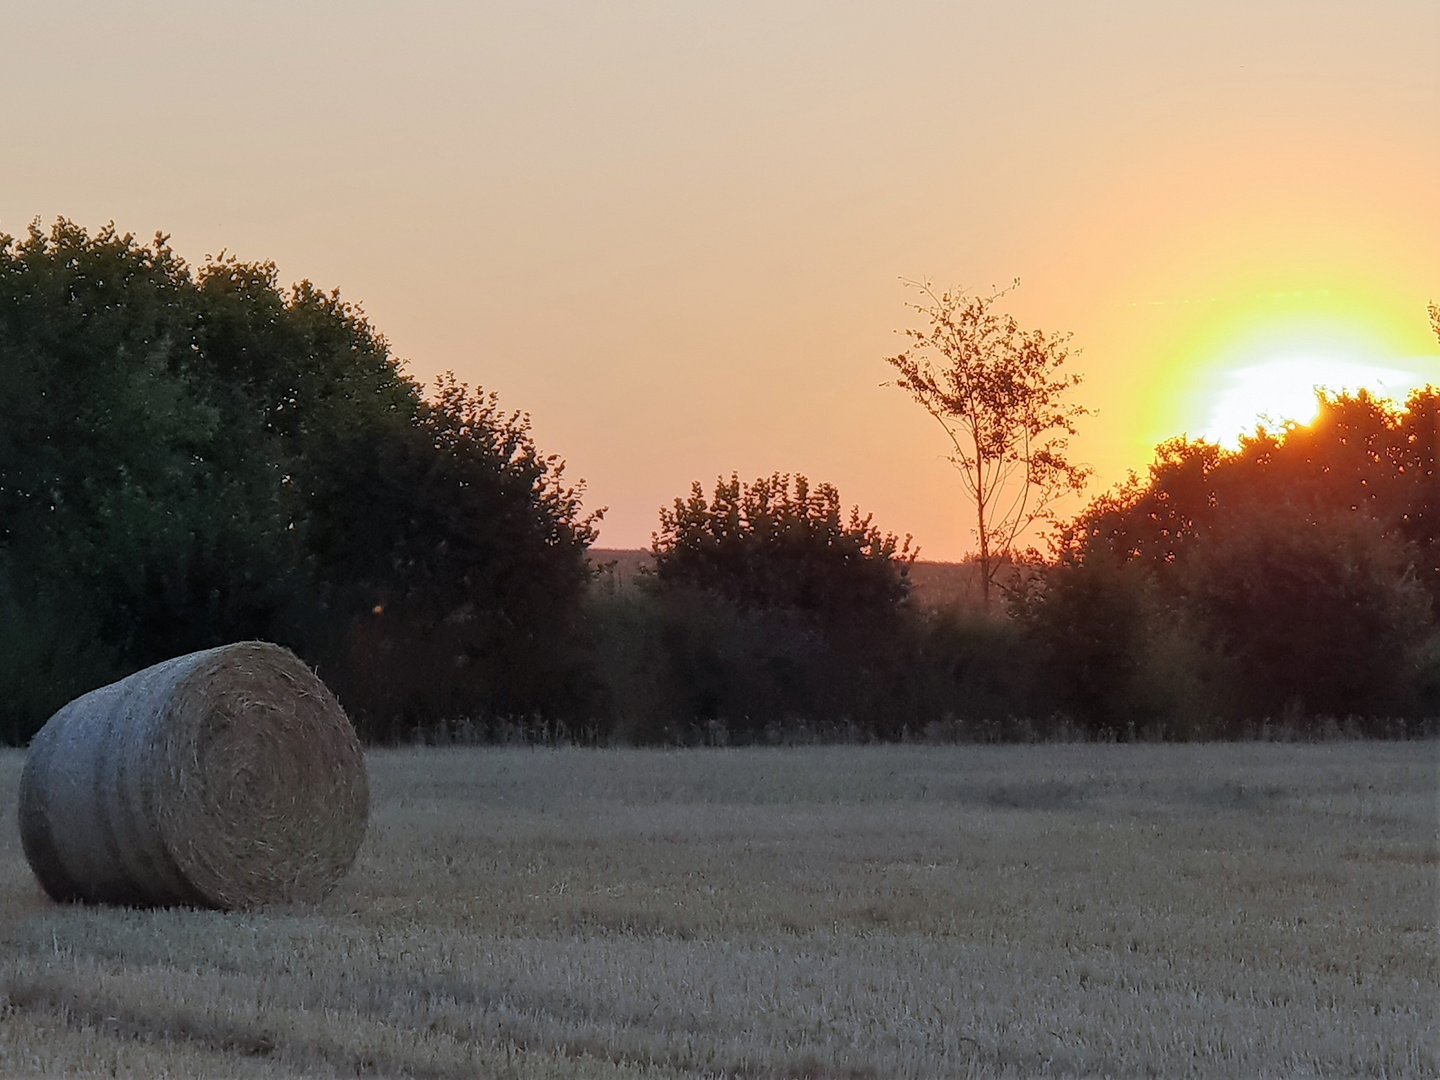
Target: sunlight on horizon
{"type": "Point", "coordinates": [1274, 392]}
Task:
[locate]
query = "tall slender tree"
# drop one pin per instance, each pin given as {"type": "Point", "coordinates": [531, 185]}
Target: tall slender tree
{"type": "Point", "coordinates": [998, 393]}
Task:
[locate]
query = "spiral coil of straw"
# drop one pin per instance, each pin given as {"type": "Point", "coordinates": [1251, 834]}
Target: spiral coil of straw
{"type": "Point", "coordinates": [228, 778]}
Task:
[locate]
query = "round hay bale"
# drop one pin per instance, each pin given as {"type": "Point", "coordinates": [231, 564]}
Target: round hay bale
{"type": "Point", "coordinates": [228, 778]}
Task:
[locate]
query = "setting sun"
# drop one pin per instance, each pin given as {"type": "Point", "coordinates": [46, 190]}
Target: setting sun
{"type": "Point", "coordinates": [1285, 389]}
{"type": "Point", "coordinates": [1260, 358]}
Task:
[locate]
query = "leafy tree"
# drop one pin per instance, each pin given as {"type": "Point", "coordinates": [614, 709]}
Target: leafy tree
{"type": "Point", "coordinates": [1313, 614]}
{"type": "Point", "coordinates": [452, 555]}
{"type": "Point", "coordinates": [997, 392]}
{"type": "Point", "coordinates": [774, 607]}
{"type": "Point", "coordinates": [771, 545]}
{"type": "Point", "coordinates": [119, 525]}
{"type": "Point", "coordinates": [1360, 456]}
{"type": "Point", "coordinates": [1302, 565]}
{"type": "Point", "coordinates": [191, 458]}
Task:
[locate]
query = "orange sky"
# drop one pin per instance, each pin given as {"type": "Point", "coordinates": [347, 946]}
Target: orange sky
{"type": "Point", "coordinates": [674, 233]}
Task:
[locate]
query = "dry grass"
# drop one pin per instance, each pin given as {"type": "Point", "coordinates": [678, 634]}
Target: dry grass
{"type": "Point", "coordinates": [1235, 910]}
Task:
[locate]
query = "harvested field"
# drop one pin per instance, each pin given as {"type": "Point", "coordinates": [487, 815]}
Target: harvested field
{"type": "Point", "coordinates": [1069, 910]}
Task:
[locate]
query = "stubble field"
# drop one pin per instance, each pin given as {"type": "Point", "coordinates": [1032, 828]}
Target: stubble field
{"type": "Point", "coordinates": [1236, 910]}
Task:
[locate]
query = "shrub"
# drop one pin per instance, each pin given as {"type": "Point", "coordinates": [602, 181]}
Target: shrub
{"type": "Point", "coordinates": [1314, 615]}
{"type": "Point", "coordinates": [1116, 654]}
{"type": "Point", "coordinates": [764, 545]}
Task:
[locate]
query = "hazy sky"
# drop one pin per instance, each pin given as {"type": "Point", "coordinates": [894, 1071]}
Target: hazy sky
{"type": "Point", "coordinates": [675, 233]}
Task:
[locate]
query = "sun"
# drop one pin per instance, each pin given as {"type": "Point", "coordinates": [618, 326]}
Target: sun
{"type": "Point", "coordinates": [1284, 389]}
{"type": "Point", "coordinates": [1262, 363]}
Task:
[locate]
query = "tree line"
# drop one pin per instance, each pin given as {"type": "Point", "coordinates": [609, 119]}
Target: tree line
{"type": "Point", "coordinates": [1296, 577]}
{"type": "Point", "coordinates": [1292, 583]}
{"type": "Point", "coordinates": [191, 456]}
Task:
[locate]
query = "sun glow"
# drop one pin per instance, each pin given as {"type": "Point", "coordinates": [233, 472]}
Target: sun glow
{"type": "Point", "coordinates": [1260, 361]}
{"type": "Point", "coordinates": [1284, 389]}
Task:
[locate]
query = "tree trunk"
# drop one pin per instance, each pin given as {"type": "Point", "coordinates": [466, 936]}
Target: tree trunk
{"type": "Point", "coordinates": [984, 533]}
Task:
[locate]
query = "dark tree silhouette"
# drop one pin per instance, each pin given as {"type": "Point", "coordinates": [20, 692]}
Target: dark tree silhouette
{"type": "Point", "coordinates": [1304, 562]}
{"type": "Point", "coordinates": [772, 544]}
{"type": "Point", "coordinates": [454, 553]}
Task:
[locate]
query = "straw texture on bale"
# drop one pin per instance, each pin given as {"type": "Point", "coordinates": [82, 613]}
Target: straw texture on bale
{"type": "Point", "coordinates": [228, 778]}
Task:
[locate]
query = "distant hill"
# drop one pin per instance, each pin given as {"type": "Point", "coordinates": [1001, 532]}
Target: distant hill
{"type": "Point", "coordinates": [936, 584]}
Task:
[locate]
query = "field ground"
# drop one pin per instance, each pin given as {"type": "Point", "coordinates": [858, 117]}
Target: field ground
{"type": "Point", "coordinates": [1238, 910]}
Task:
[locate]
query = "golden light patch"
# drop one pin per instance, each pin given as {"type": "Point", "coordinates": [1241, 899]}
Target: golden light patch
{"type": "Point", "coordinates": [1261, 360]}
{"type": "Point", "coordinates": [1285, 389]}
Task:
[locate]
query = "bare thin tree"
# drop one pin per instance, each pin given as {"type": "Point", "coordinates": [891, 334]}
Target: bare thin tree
{"type": "Point", "coordinates": [997, 391]}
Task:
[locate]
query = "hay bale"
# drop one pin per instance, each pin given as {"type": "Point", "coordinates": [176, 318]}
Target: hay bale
{"type": "Point", "coordinates": [228, 778]}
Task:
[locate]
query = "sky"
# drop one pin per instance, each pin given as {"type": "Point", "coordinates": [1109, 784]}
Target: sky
{"type": "Point", "coordinates": [676, 234]}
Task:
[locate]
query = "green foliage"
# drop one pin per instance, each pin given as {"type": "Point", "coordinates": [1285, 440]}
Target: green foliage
{"type": "Point", "coordinates": [1295, 576]}
{"type": "Point", "coordinates": [1314, 615]}
{"type": "Point", "coordinates": [109, 490]}
{"type": "Point", "coordinates": [193, 458]}
{"type": "Point", "coordinates": [765, 546]}
{"type": "Point", "coordinates": [1359, 456]}
{"type": "Point", "coordinates": [772, 616]}
{"type": "Point", "coordinates": [775, 607]}
{"type": "Point", "coordinates": [683, 665]}
{"type": "Point", "coordinates": [454, 556]}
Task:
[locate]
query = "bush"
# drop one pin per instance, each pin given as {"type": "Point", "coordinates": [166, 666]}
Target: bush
{"type": "Point", "coordinates": [763, 545]}
{"type": "Point", "coordinates": [1314, 617]}
{"type": "Point", "coordinates": [1117, 656]}
{"type": "Point", "coordinates": [682, 665]}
